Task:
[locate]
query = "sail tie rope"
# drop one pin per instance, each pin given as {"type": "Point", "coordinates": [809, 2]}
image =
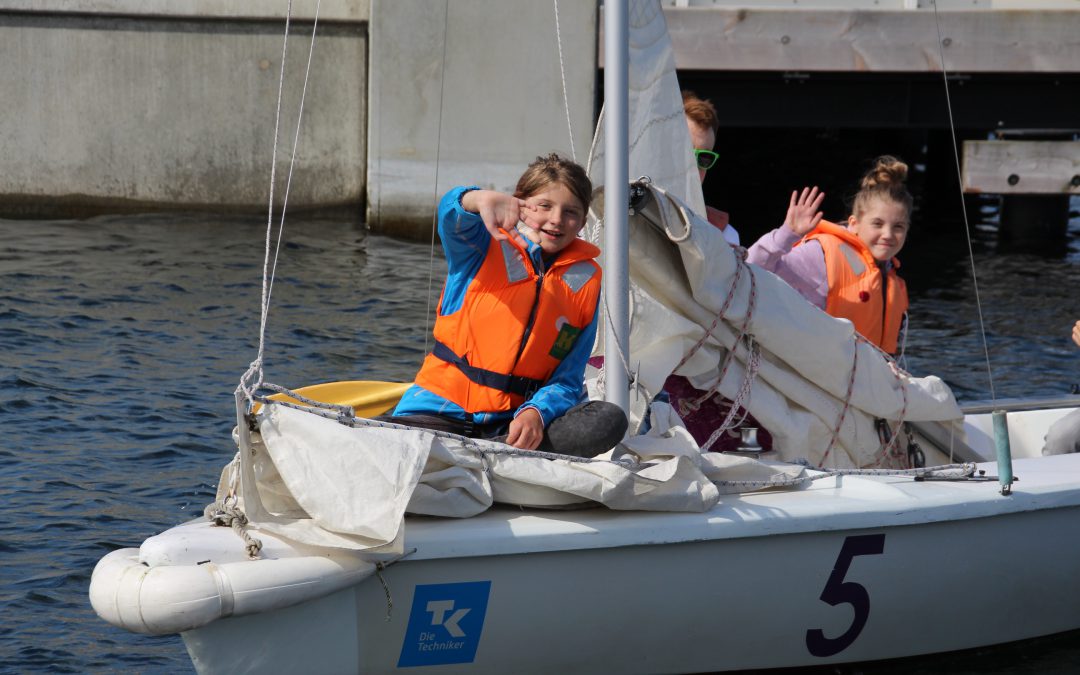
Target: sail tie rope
{"type": "Point", "coordinates": [737, 412]}
{"type": "Point", "coordinates": [740, 401]}
{"type": "Point", "coordinates": [743, 330]}
{"type": "Point", "coordinates": [888, 448]}
{"type": "Point", "coordinates": [740, 266]}
{"type": "Point", "coordinates": [226, 514]}
{"type": "Point", "coordinates": [890, 451]}
{"type": "Point", "coordinates": [847, 401]}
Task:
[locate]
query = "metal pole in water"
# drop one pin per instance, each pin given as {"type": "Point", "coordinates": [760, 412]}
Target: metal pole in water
{"type": "Point", "coordinates": [1004, 451]}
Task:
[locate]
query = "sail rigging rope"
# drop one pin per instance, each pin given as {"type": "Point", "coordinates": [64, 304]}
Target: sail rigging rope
{"type": "Point", "coordinates": [435, 187]}
{"type": "Point", "coordinates": [252, 379]}
{"type": "Point", "coordinates": [486, 449]}
{"type": "Point", "coordinates": [963, 206]}
{"type": "Point", "coordinates": [562, 73]}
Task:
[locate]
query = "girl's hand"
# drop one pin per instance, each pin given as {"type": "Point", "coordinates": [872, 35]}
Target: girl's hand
{"type": "Point", "coordinates": [526, 430]}
{"type": "Point", "coordinates": [500, 212]}
{"type": "Point", "coordinates": [803, 213]}
{"type": "Point", "coordinates": [1076, 333]}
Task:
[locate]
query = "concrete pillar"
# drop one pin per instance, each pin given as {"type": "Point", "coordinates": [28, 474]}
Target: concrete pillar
{"type": "Point", "coordinates": [468, 92]}
{"type": "Point", "coordinates": [145, 104]}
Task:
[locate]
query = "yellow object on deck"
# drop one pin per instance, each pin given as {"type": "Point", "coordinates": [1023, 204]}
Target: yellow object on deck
{"type": "Point", "coordinates": [368, 398]}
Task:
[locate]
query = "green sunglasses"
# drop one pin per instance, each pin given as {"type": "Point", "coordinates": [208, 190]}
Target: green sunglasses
{"type": "Point", "coordinates": [705, 159]}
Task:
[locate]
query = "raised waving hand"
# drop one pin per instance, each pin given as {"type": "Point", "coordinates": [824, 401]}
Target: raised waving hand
{"type": "Point", "coordinates": [804, 210]}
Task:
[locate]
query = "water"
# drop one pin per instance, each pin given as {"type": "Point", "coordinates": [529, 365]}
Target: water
{"type": "Point", "coordinates": [122, 339]}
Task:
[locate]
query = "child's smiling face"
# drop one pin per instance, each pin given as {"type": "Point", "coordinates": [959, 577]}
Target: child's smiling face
{"type": "Point", "coordinates": [555, 216]}
{"type": "Point", "coordinates": [883, 227]}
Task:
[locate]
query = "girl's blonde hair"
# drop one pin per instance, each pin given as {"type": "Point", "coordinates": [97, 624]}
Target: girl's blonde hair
{"type": "Point", "coordinates": [886, 179]}
{"type": "Point", "coordinates": [555, 169]}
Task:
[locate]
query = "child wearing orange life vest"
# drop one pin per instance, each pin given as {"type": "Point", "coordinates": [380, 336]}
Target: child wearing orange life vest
{"type": "Point", "coordinates": [517, 319]}
{"type": "Point", "coordinates": [850, 272]}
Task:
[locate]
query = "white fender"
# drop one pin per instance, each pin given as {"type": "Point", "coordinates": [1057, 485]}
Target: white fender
{"type": "Point", "coordinates": [172, 599]}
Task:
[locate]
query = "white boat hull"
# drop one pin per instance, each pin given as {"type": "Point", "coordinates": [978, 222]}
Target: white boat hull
{"type": "Point", "coordinates": [740, 587]}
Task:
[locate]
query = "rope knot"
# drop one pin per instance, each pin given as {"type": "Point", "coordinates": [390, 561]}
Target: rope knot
{"type": "Point", "coordinates": [222, 514]}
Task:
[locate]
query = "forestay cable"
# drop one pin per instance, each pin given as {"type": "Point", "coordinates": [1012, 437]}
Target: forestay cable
{"type": "Point", "coordinates": [438, 155]}
{"type": "Point", "coordinates": [252, 379]}
{"type": "Point", "coordinates": [562, 73]}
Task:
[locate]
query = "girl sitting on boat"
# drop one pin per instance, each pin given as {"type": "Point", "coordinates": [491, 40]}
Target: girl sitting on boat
{"type": "Point", "coordinates": [850, 272]}
{"type": "Point", "coordinates": [517, 319]}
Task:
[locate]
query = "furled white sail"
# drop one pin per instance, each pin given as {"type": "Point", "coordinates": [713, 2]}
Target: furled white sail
{"type": "Point", "coordinates": [810, 380]}
{"type": "Point", "coordinates": [316, 481]}
{"type": "Point", "coordinates": [659, 141]}
{"type": "Point", "coordinates": [812, 384]}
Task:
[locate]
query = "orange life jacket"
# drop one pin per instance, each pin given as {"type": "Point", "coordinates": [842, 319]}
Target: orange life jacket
{"type": "Point", "coordinates": [856, 286]}
{"type": "Point", "coordinates": [513, 322]}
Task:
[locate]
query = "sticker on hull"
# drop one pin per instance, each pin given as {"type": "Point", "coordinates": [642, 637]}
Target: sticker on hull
{"type": "Point", "coordinates": [445, 624]}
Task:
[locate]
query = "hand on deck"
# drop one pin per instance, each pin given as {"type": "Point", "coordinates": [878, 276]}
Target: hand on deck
{"type": "Point", "coordinates": [526, 430]}
{"type": "Point", "coordinates": [499, 211]}
{"type": "Point", "coordinates": [803, 213]}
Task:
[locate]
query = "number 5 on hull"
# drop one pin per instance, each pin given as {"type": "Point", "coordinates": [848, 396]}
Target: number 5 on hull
{"type": "Point", "coordinates": [837, 592]}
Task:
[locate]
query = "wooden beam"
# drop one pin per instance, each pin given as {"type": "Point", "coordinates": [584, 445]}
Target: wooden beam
{"type": "Point", "coordinates": [1022, 167]}
{"type": "Point", "coordinates": [858, 40]}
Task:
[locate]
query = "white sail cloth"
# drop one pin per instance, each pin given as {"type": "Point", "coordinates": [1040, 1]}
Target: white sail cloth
{"type": "Point", "coordinates": [319, 482]}
{"type": "Point", "coordinates": [804, 367]}
{"type": "Point", "coordinates": [818, 389]}
{"type": "Point", "coordinates": [659, 143]}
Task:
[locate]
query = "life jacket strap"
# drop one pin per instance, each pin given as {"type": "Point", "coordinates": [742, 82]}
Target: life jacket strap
{"type": "Point", "coordinates": [511, 384]}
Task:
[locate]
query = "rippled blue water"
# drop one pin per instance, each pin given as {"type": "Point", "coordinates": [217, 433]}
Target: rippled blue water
{"type": "Point", "coordinates": [122, 339]}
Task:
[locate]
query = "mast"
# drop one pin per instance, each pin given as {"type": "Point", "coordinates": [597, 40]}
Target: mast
{"type": "Point", "coordinates": [616, 199]}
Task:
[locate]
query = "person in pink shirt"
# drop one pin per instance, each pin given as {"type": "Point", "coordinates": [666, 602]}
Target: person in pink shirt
{"type": "Point", "coordinates": [848, 270]}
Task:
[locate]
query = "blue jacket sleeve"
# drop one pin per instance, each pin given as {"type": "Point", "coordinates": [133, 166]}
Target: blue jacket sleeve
{"type": "Point", "coordinates": [566, 386]}
{"type": "Point", "coordinates": [465, 241]}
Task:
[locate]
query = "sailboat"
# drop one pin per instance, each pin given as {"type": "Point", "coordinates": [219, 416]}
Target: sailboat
{"type": "Point", "coordinates": [338, 544]}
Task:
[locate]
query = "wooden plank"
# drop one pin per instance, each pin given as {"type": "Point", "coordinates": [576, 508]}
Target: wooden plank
{"type": "Point", "coordinates": [1021, 167]}
{"type": "Point", "coordinates": [856, 40]}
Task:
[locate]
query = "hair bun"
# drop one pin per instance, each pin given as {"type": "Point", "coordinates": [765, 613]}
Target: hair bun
{"type": "Point", "coordinates": [887, 172]}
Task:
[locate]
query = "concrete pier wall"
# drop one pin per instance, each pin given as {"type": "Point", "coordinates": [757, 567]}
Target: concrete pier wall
{"type": "Point", "coordinates": [135, 105]}
{"type": "Point", "coordinates": [125, 105]}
